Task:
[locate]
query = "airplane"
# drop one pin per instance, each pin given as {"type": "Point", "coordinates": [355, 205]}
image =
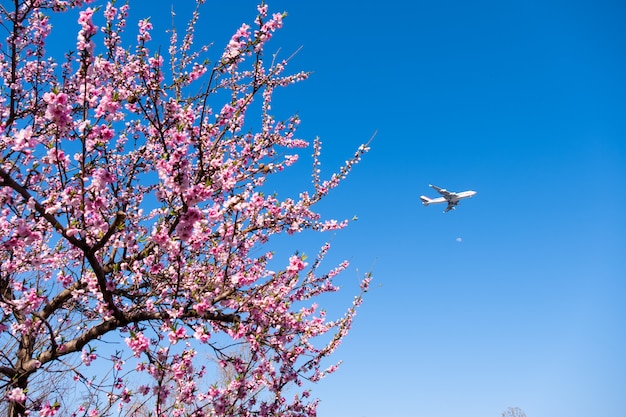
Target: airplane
{"type": "Point", "coordinates": [448, 197]}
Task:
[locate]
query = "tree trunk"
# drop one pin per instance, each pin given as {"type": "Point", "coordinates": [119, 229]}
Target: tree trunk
{"type": "Point", "coordinates": [19, 409]}
{"type": "Point", "coordinates": [24, 354]}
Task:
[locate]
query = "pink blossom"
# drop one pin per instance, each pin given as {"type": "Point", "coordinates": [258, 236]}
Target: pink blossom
{"type": "Point", "coordinates": [291, 159]}
{"type": "Point", "coordinates": [88, 30]}
{"type": "Point", "coordinates": [58, 109]}
{"type": "Point", "coordinates": [138, 343]}
{"type": "Point", "coordinates": [144, 31]}
{"type": "Point", "coordinates": [107, 107]}
{"type": "Point", "coordinates": [85, 18]}
{"type": "Point", "coordinates": [296, 264]}
{"type": "Point", "coordinates": [201, 334]}
{"type": "Point", "coordinates": [17, 395]}
{"type": "Point", "coordinates": [49, 410]}
{"type": "Point", "coordinates": [237, 43]}
{"type": "Point", "coordinates": [101, 178]}
{"type": "Point", "coordinates": [184, 229]}
{"type": "Point", "coordinates": [23, 139]}
{"type": "Point", "coordinates": [110, 12]}
{"type": "Point", "coordinates": [88, 357]}
{"type": "Point", "coordinates": [175, 335]}
{"type": "Point", "coordinates": [202, 307]}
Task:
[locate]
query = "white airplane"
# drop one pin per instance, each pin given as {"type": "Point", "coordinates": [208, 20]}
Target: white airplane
{"type": "Point", "coordinates": [448, 197]}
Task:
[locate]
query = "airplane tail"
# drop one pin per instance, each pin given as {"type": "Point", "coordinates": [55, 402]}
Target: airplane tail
{"type": "Point", "coordinates": [425, 200]}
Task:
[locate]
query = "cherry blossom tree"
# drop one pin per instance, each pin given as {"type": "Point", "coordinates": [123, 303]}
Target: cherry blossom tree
{"type": "Point", "coordinates": [135, 224]}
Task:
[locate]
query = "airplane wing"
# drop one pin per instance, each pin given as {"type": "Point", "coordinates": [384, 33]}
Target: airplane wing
{"type": "Point", "coordinates": [450, 207]}
{"type": "Point", "coordinates": [443, 191]}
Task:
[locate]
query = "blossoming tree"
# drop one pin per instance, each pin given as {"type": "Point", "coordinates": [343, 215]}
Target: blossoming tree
{"type": "Point", "coordinates": [135, 219]}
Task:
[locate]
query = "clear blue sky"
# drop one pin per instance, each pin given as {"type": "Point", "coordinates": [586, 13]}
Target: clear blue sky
{"type": "Point", "coordinates": [524, 102]}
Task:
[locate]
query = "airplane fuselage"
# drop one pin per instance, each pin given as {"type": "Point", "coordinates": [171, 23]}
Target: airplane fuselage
{"type": "Point", "coordinates": [462, 195]}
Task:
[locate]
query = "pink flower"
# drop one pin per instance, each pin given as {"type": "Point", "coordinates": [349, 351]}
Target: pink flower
{"type": "Point", "coordinates": [58, 110]}
{"type": "Point", "coordinates": [65, 279]}
{"type": "Point", "coordinates": [17, 395]}
{"type": "Point", "coordinates": [291, 159]}
{"type": "Point", "coordinates": [88, 357]}
{"type": "Point", "coordinates": [23, 139]}
{"type": "Point", "coordinates": [201, 334]}
{"type": "Point", "coordinates": [177, 334]}
{"type": "Point", "coordinates": [184, 229]}
{"type": "Point", "coordinates": [49, 410]}
{"type": "Point", "coordinates": [88, 30]}
{"type": "Point", "coordinates": [202, 307]}
{"type": "Point", "coordinates": [144, 31]}
{"type": "Point", "coordinates": [107, 107]}
{"type": "Point", "coordinates": [85, 20]}
{"type": "Point", "coordinates": [237, 43]}
{"type": "Point", "coordinates": [101, 178]}
{"type": "Point", "coordinates": [296, 264]}
{"type": "Point", "coordinates": [138, 343]}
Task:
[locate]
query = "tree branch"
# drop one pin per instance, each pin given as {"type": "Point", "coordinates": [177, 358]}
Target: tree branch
{"type": "Point", "coordinates": [9, 372]}
{"type": "Point", "coordinates": [119, 218]}
{"type": "Point", "coordinates": [101, 329]}
{"type": "Point", "coordinates": [7, 180]}
{"type": "Point", "coordinates": [60, 298]}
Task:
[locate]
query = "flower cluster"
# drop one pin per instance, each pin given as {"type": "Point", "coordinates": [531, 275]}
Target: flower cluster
{"type": "Point", "coordinates": [58, 109]}
{"type": "Point", "coordinates": [17, 395]}
{"type": "Point", "coordinates": [138, 343]}
{"type": "Point", "coordinates": [237, 43]}
{"type": "Point", "coordinates": [88, 30]}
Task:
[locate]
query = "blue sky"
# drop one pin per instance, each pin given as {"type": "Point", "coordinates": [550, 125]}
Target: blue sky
{"type": "Point", "coordinates": [524, 102]}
